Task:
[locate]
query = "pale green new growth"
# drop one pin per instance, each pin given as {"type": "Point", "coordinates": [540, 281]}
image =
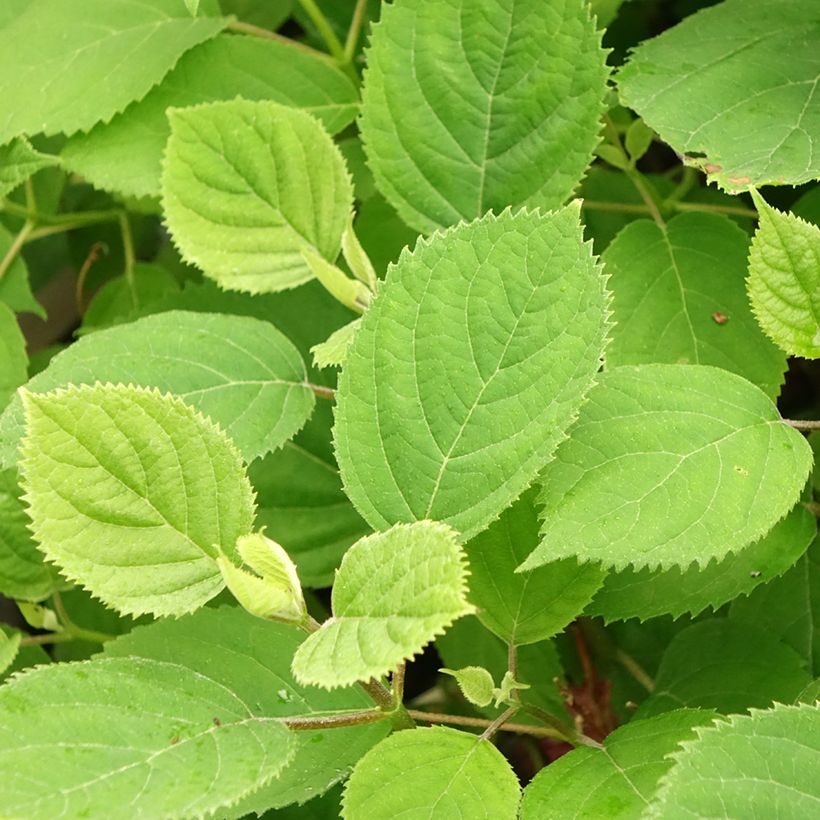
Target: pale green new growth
{"type": "Point", "coordinates": [394, 592]}
{"type": "Point", "coordinates": [468, 369]}
{"type": "Point", "coordinates": [708, 88]}
{"type": "Point", "coordinates": [126, 736]}
{"type": "Point", "coordinates": [247, 186]}
{"type": "Point", "coordinates": [55, 51]}
{"type": "Point", "coordinates": [669, 465]}
{"type": "Point", "coordinates": [475, 682]}
{"type": "Point", "coordinates": [357, 258]}
{"type": "Point", "coordinates": [9, 646]}
{"type": "Point", "coordinates": [131, 492]}
{"type": "Point", "coordinates": [472, 107]}
{"type": "Point", "coordinates": [333, 352]}
{"type": "Point", "coordinates": [616, 781]}
{"type": "Point", "coordinates": [784, 279]}
{"type": "Point", "coordinates": [758, 765]}
{"type": "Point", "coordinates": [241, 372]}
{"type": "Point", "coordinates": [13, 358]}
{"type": "Point", "coordinates": [351, 293]}
{"type": "Point", "coordinates": [433, 773]}
{"type": "Point", "coordinates": [18, 161]}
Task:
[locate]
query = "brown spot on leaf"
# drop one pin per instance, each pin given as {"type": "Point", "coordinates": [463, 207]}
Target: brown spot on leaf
{"type": "Point", "coordinates": [712, 168]}
{"type": "Point", "coordinates": [740, 180]}
{"type": "Point", "coordinates": [720, 318]}
{"type": "Point", "coordinates": [217, 722]}
{"type": "Point", "coordinates": [175, 739]}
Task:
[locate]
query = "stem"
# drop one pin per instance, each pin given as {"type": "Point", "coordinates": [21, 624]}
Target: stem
{"type": "Point", "coordinates": [498, 722]}
{"type": "Point", "coordinates": [512, 667]}
{"type": "Point", "coordinates": [15, 247]}
{"type": "Point", "coordinates": [128, 251]}
{"type": "Point", "coordinates": [687, 180]}
{"type": "Point", "coordinates": [76, 632]}
{"type": "Point", "coordinates": [733, 210]}
{"type": "Point", "coordinates": [302, 724]}
{"type": "Point", "coordinates": [255, 31]}
{"type": "Point", "coordinates": [803, 424]}
{"type": "Point", "coordinates": [561, 731]}
{"type": "Point", "coordinates": [481, 723]}
{"type": "Point", "coordinates": [93, 255]}
{"type": "Point", "coordinates": [31, 199]}
{"type": "Point", "coordinates": [354, 30]}
{"type": "Point", "coordinates": [635, 669]}
{"type": "Point", "coordinates": [321, 391]}
{"type": "Point", "coordinates": [397, 684]}
{"type": "Point", "coordinates": [328, 35]}
{"type": "Point", "coordinates": [623, 207]}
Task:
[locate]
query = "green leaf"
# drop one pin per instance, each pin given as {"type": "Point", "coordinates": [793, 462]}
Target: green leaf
{"type": "Point", "coordinates": [707, 96]}
{"type": "Point", "coordinates": [192, 6]}
{"type": "Point", "coordinates": [476, 684]}
{"type": "Point", "coordinates": [638, 138]}
{"type": "Point", "coordinates": [788, 608]}
{"type": "Point", "coordinates": [239, 371]}
{"type": "Point", "coordinates": [54, 52]}
{"type": "Point", "coordinates": [15, 290]}
{"type": "Point", "coordinates": [394, 592]}
{"type": "Point", "coordinates": [464, 375]}
{"type": "Point", "coordinates": [434, 773]}
{"type": "Point", "coordinates": [252, 657]}
{"type": "Point", "coordinates": [126, 479]}
{"type": "Point", "coordinates": [333, 351]}
{"type": "Point", "coordinates": [617, 780]}
{"type": "Point", "coordinates": [233, 188]}
{"type": "Point", "coordinates": [646, 593]}
{"type": "Point", "coordinates": [525, 607]}
{"type": "Point", "coordinates": [26, 656]}
{"type": "Point", "coordinates": [13, 358]}
{"type": "Point", "coordinates": [352, 293]}
{"type": "Point", "coordinates": [461, 103]}
{"type": "Point", "coordinates": [9, 647]}
{"type": "Point", "coordinates": [119, 730]}
{"type": "Point", "coordinates": [669, 465]}
{"type": "Point", "coordinates": [784, 280]}
{"type": "Point", "coordinates": [125, 155]}
{"type": "Point", "coordinates": [758, 765]}
{"type": "Point", "coordinates": [679, 298]}
{"type": "Point", "coordinates": [727, 666]}
{"type": "Point", "coordinates": [18, 161]}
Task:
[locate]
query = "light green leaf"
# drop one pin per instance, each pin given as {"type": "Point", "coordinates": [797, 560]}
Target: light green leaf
{"type": "Point", "coordinates": [239, 371]}
{"type": "Point", "coordinates": [352, 293]}
{"type": "Point", "coordinates": [122, 734]}
{"type": "Point", "coordinates": [60, 49]}
{"type": "Point", "coordinates": [638, 138]}
{"type": "Point", "coordinates": [252, 657]}
{"type": "Point", "coordinates": [468, 369]}
{"type": "Point", "coordinates": [18, 161]}
{"type": "Point", "coordinates": [616, 781]}
{"type": "Point", "coordinates": [333, 352]}
{"type": "Point", "coordinates": [475, 682]}
{"type": "Point", "coordinates": [192, 6]}
{"type": "Point", "coordinates": [724, 665]}
{"type": "Point", "coordinates": [758, 765]}
{"type": "Point", "coordinates": [436, 773]}
{"type": "Point", "coordinates": [26, 656]}
{"type": "Point", "coordinates": [788, 608]}
{"type": "Point", "coordinates": [357, 258]}
{"type": "Point", "coordinates": [605, 11]}
{"type": "Point", "coordinates": [394, 592]}
{"type": "Point", "coordinates": [784, 280]}
{"type": "Point", "coordinates": [461, 102]}
{"type": "Point", "coordinates": [646, 593]}
{"type": "Point", "coordinates": [129, 491]}
{"type": "Point", "coordinates": [234, 189]}
{"type": "Point", "coordinates": [9, 647]}
{"type": "Point", "coordinates": [679, 298]}
{"type": "Point", "coordinates": [712, 99]}
{"type": "Point", "coordinates": [15, 290]}
{"type": "Point", "coordinates": [13, 358]}
{"type": "Point", "coordinates": [125, 155]}
{"type": "Point", "coordinates": [525, 607]}
{"type": "Point", "coordinates": [669, 465]}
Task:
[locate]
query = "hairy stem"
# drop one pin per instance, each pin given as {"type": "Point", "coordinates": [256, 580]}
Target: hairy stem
{"type": "Point", "coordinates": [314, 722]}
{"type": "Point", "coordinates": [480, 723]}
{"type": "Point", "coordinates": [322, 392]}
{"type": "Point", "coordinates": [499, 722]}
{"type": "Point", "coordinates": [803, 424]}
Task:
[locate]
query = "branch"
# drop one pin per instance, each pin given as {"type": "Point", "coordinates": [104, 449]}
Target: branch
{"type": "Point", "coordinates": [481, 723]}
{"type": "Point", "coordinates": [803, 424]}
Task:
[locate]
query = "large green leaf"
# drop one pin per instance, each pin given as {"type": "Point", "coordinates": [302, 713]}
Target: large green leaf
{"type": "Point", "coordinates": [758, 765]}
{"type": "Point", "coordinates": [784, 280]}
{"type": "Point", "coordinates": [127, 735]}
{"type": "Point", "coordinates": [129, 491]}
{"type": "Point", "coordinates": [434, 774]}
{"type": "Point", "coordinates": [252, 658]}
{"type": "Point", "coordinates": [247, 186]}
{"type": "Point", "coordinates": [56, 50]}
{"type": "Point", "coordinates": [679, 297]}
{"type": "Point", "coordinates": [645, 593]}
{"type": "Point", "coordinates": [670, 465]}
{"type": "Point", "coordinates": [463, 100]}
{"type": "Point", "coordinates": [724, 665]}
{"type": "Point", "coordinates": [716, 99]}
{"type": "Point", "coordinates": [617, 780]}
{"type": "Point", "coordinates": [13, 358]}
{"type": "Point", "coordinates": [18, 161]}
{"type": "Point", "coordinates": [531, 606]}
{"type": "Point", "coordinates": [468, 368]}
{"type": "Point", "coordinates": [125, 155]}
{"type": "Point", "coordinates": [241, 372]}
{"type": "Point", "coordinates": [394, 592]}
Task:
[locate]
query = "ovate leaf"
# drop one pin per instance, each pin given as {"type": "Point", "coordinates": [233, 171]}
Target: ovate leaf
{"type": "Point", "coordinates": [679, 298]}
{"type": "Point", "coordinates": [61, 49]}
{"type": "Point", "coordinates": [616, 781]}
{"type": "Point", "coordinates": [669, 465]}
{"type": "Point", "coordinates": [241, 372]}
{"type": "Point", "coordinates": [13, 358]}
{"type": "Point", "coordinates": [247, 186]}
{"type": "Point", "coordinates": [119, 730]}
{"type": "Point", "coordinates": [784, 280]}
{"type": "Point", "coordinates": [495, 90]}
{"type": "Point", "coordinates": [129, 491]}
{"type": "Point", "coordinates": [394, 592]}
{"type": "Point", "coordinates": [18, 161]}
{"type": "Point", "coordinates": [758, 765]}
{"type": "Point", "coordinates": [712, 98]}
{"type": "Point", "coordinates": [475, 682]}
{"type": "Point", "coordinates": [125, 155]}
{"type": "Point", "coordinates": [434, 773]}
{"type": "Point", "coordinates": [468, 368]}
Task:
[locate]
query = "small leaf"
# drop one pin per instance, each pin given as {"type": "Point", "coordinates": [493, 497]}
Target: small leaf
{"type": "Point", "coordinates": [784, 279]}
{"type": "Point", "coordinates": [125, 477]}
{"type": "Point", "coordinates": [394, 592]}
{"type": "Point", "coordinates": [434, 772]}
{"type": "Point", "coordinates": [192, 6]}
{"type": "Point", "coordinates": [18, 161]}
{"type": "Point", "coordinates": [234, 183]}
{"type": "Point", "coordinates": [614, 156]}
{"type": "Point", "coordinates": [669, 465]}
{"type": "Point", "coordinates": [9, 647]}
{"type": "Point", "coordinates": [350, 292]}
{"type": "Point", "coordinates": [503, 692]}
{"type": "Point", "coordinates": [758, 765]}
{"type": "Point", "coordinates": [13, 358]}
{"type": "Point", "coordinates": [357, 258]}
{"type": "Point", "coordinates": [333, 352]}
{"type": "Point", "coordinates": [638, 138]}
{"type": "Point", "coordinates": [475, 682]}
{"type": "Point", "coordinates": [39, 617]}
